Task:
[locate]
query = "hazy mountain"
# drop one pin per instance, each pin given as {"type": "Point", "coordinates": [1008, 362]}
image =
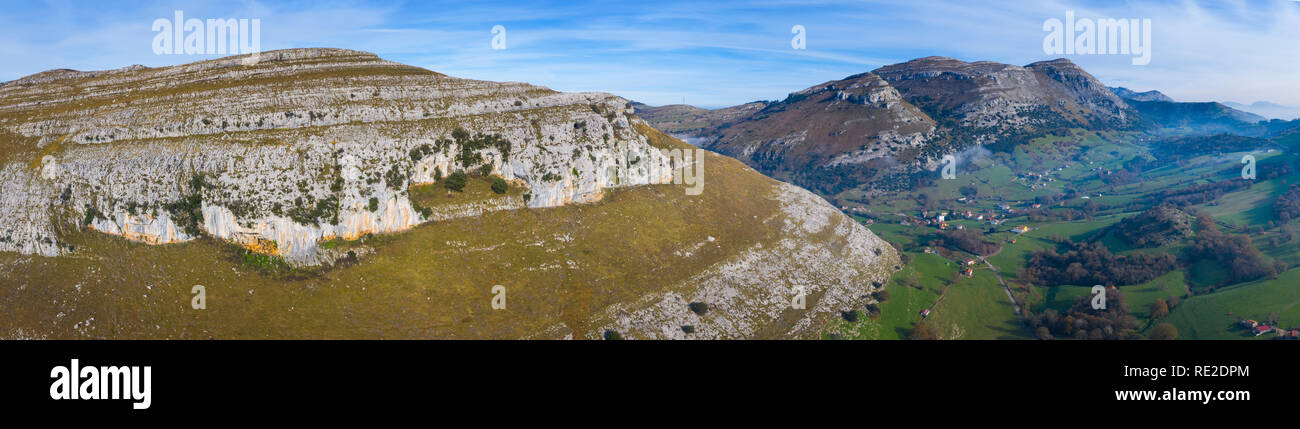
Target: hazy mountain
{"type": "Point", "coordinates": [1197, 118]}
{"type": "Point", "coordinates": [309, 192]}
{"type": "Point", "coordinates": [1267, 110]}
{"type": "Point", "coordinates": [1151, 95]}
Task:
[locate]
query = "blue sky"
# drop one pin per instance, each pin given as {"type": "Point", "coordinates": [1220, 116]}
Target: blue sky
{"type": "Point", "coordinates": [708, 53]}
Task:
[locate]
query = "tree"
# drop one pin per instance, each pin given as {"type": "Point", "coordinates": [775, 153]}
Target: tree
{"type": "Point", "coordinates": [922, 332]}
{"type": "Point", "coordinates": [1164, 331]}
{"type": "Point", "coordinates": [499, 185]}
{"type": "Point", "coordinates": [1159, 309]}
{"type": "Point", "coordinates": [1043, 333]}
{"type": "Point", "coordinates": [970, 190]}
{"type": "Point", "coordinates": [374, 204]}
{"type": "Point", "coordinates": [456, 181]}
{"type": "Point", "coordinates": [460, 134]}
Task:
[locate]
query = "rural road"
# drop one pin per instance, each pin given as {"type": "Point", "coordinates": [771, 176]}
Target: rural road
{"type": "Point", "coordinates": [1019, 314]}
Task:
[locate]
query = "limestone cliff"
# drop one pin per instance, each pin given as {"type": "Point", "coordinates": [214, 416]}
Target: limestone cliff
{"type": "Point", "coordinates": [123, 189]}
{"type": "Point", "coordinates": [288, 151]}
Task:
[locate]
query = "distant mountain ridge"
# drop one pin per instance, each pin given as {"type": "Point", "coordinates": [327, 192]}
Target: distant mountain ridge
{"type": "Point", "coordinates": [1267, 109]}
{"type": "Point", "coordinates": [1129, 94]}
{"type": "Point", "coordinates": [903, 118]}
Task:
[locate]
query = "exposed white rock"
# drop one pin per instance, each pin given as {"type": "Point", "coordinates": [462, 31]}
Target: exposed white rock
{"type": "Point", "coordinates": [270, 154]}
{"type": "Point", "coordinates": [756, 288]}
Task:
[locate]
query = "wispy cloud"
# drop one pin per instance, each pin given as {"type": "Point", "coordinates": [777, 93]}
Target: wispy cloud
{"type": "Point", "coordinates": [710, 53]}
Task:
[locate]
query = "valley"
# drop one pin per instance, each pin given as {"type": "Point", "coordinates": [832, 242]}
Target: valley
{"type": "Point", "coordinates": [1154, 208]}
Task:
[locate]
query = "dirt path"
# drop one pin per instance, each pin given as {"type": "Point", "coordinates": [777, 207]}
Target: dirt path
{"type": "Point", "coordinates": [1020, 314]}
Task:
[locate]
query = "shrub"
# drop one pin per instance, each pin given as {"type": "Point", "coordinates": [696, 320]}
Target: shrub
{"type": "Point", "coordinates": [499, 185]}
{"type": "Point", "coordinates": [612, 335]}
{"type": "Point", "coordinates": [456, 181]}
{"type": "Point", "coordinates": [92, 213]}
{"type": "Point", "coordinates": [1159, 309]}
{"type": "Point", "coordinates": [1164, 331]}
{"type": "Point", "coordinates": [187, 213]}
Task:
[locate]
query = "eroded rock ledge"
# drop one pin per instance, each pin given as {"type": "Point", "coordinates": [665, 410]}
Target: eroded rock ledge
{"type": "Point", "coordinates": [281, 154]}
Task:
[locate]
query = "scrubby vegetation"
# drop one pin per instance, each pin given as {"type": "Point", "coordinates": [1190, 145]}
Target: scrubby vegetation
{"type": "Point", "coordinates": [1287, 206]}
{"type": "Point", "coordinates": [188, 212]}
{"type": "Point", "coordinates": [1094, 264]}
{"type": "Point", "coordinates": [1234, 253]}
{"type": "Point", "coordinates": [470, 154]}
{"type": "Point", "coordinates": [1081, 321]}
{"type": "Point", "coordinates": [456, 181]}
{"type": "Point", "coordinates": [1158, 226]}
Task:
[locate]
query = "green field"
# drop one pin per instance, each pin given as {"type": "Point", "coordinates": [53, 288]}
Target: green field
{"type": "Point", "coordinates": [978, 307]}
{"type": "Point", "coordinates": [1213, 316]}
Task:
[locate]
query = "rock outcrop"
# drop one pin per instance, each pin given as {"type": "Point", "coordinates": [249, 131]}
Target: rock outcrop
{"type": "Point", "coordinates": [122, 189]}
{"type": "Point", "coordinates": [285, 153]}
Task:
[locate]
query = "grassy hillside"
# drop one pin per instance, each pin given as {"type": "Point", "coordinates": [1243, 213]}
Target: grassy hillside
{"type": "Point", "coordinates": [558, 265]}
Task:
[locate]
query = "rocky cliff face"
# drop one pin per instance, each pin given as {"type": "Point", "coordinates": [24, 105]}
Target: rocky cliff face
{"type": "Point", "coordinates": [848, 122]}
{"type": "Point", "coordinates": [1003, 98]}
{"type": "Point", "coordinates": [122, 189]}
{"type": "Point", "coordinates": [285, 153]}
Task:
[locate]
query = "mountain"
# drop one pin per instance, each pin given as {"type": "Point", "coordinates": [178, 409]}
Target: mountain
{"type": "Point", "coordinates": [1129, 94]}
{"type": "Point", "coordinates": [1198, 118]}
{"type": "Point", "coordinates": [998, 100]}
{"type": "Point", "coordinates": [857, 121]}
{"type": "Point", "coordinates": [684, 119]}
{"type": "Point", "coordinates": [901, 118]}
{"type": "Point", "coordinates": [874, 132]}
{"type": "Point", "coordinates": [310, 192]}
{"type": "Point", "coordinates": [1268, 110]}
